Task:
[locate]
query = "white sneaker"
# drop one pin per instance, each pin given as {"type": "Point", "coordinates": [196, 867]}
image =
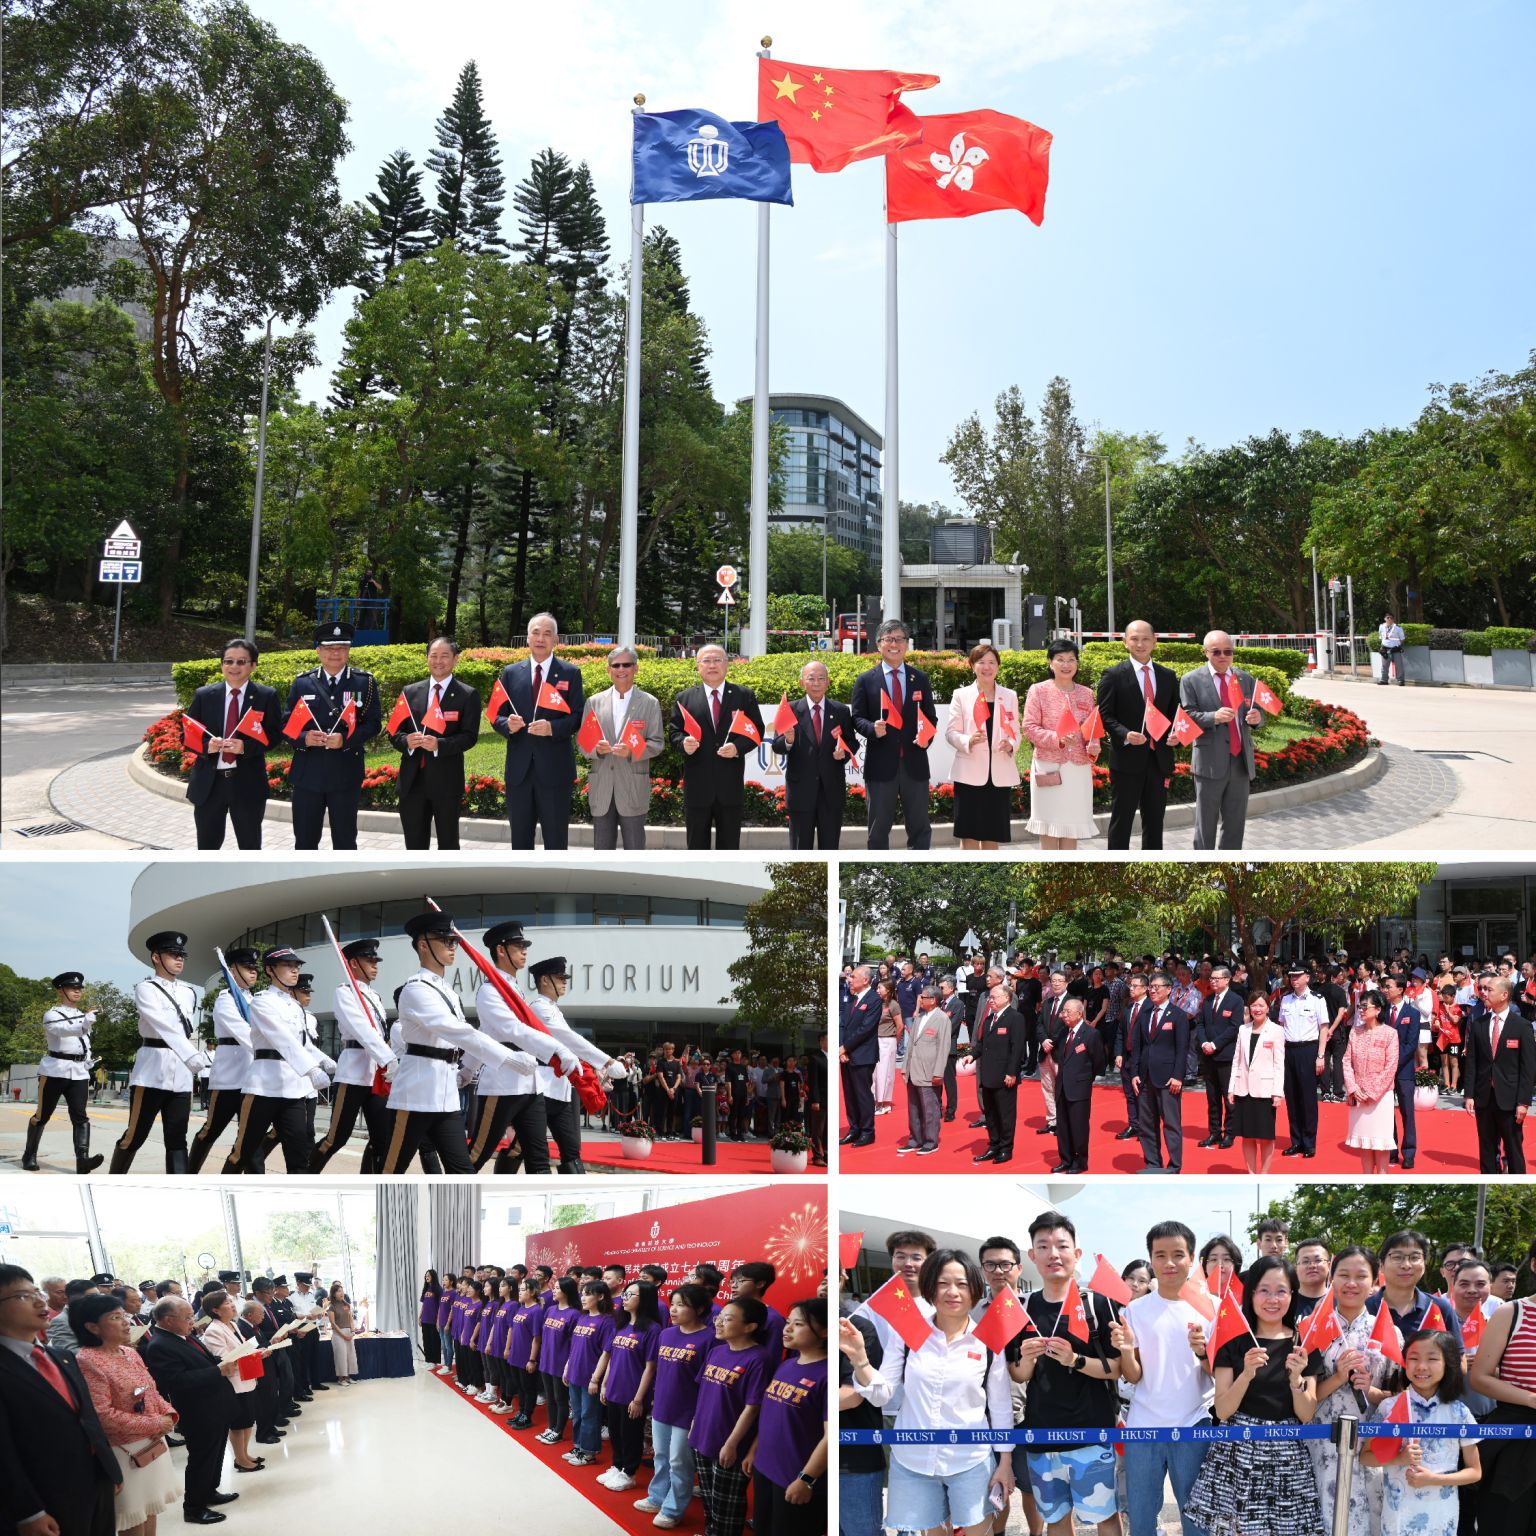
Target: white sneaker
{"type": "Point", "coordinates": [647, 1506]}
{"type": "Point", "coordinates": [606, 1478]}
{"type": "Point", "coordinates": [622, 1483]}
{"type": "Point", "coordinates": [605, 1431]}
{"type": "Point", "coordinates": [665, 1522]}
{"type": "Point", "coordinates": [570, 1456]}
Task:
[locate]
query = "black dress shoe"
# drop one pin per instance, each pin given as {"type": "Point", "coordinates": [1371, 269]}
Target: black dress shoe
{"type": "Point", "coordinates": [1062, 1168]}
{"type": "Point", "coordinates": [1046, 1130]}
{"type": "Point", "coordinates": [174, 1443]}
{"type": "Point", "coordinates": [1210, 1141]}
{"type": "Point", "coordinates": [983, 1157]}
{"type": "Point", "coordinates": [222, 1498]}
{"type": "Point", "coordinates": [1078, 1168]}
{"type": "Point", "coordinates": [1226, 1141]}
{"type": "Point", "coordinates": [1006, 1157]}
{"type": "Point", "coordinates": [318, 1386]}
{"type": "Point", "coordinates": [1393, 1158]}
{"type": "Point", "coordinates": [842, 1141]}
{"type": "Point", "coordinates": [1128, 1134]}
{"type": "Point", "coordinates": [977, 1125]}
{"type": "Point", "coordinates": [1291, 1152]}
{"type": "Point", "coordinates": [1407, 1161]}
{"type": "Point", "coordinates": [269, 1439]}
{"type": "Point", "coordinates": [202, 1516]}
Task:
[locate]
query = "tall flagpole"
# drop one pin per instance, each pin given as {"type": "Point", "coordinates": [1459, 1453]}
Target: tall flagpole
{"type": "Point", "coordinates": [754, 637]}
{"type": "Point", "coordinates": [890, 520]}
{"type": "Point", "coordinates": [629, 502]}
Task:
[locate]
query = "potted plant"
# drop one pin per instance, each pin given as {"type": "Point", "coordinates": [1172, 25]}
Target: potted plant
{"type": "Point", "coordinates": [1510, 654]}
{"type": "Point", "coordinates": [1447, 660]}
{"type": "Point", "coordinates": [698, 1127]}
{"type": "Point", "coordinates": [636, 1138]}
{"type": "Point", "coordinates": [1426, 1090]}
{"type": "Point", "coordinates": [789, 1151]}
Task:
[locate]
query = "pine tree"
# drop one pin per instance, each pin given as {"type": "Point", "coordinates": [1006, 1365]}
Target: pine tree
{"type": "Point", "coordinates": [539, 200]}
{"type": "Point", "coordinates": [470, 187]}
{"type": "Point", "coordinates": [402, 231]}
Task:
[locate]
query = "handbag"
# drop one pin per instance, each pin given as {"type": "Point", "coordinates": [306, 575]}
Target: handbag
{"type": "Point", "coordinates": [1048, 780]}
{"type": "Point", "coordinates": [151, 1452]}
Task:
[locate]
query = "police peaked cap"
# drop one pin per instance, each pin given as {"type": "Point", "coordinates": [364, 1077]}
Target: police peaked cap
{"type": "Point", "coordinates": [229, 1276]}
{"type": "Point", "coordinates": [305, 983]}
{"type": "Point", "coordinates": [243, 954]}
{"type": "Point", "coordinates": [278, 955]}
{"type": "Point", "coordinates": [554, 966]}
{"type": "Point", "coordinates": [168, 943]}
{"type": "Point", "coordinates": [438, 924]}
{"type": "Point", "coordinates": [361, 949]}
{"type": "Point", "coordinates": [505, 933]}
{"type": "Point", "coordinates": [67, 979]}
{"type": "Point", "coordinates": [333, 634]}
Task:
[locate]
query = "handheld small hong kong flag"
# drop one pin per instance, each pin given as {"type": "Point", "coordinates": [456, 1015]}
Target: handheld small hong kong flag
{"type": "Point", "coordinates": [1230, 1324]}
{"type": "Point", "coordinates": [783, 716]}
{"type": "Point", "coordinates": [980, 712]}
{"type": "Point", "coordinates": [347, 719]}
{"type": "Point", "coordinates": [434, 719]}
{"type": "Point", "coordinates": [550, 697]}
{"type": "Point", "coordinates": [1264, 696]}
{"type": "Point", "coordinates": [848, 1246]}
{"type": "Point", "coordinates": [742, 725]}
{"type": "Point", "coordinates": [1107, 1282]}
{"type": "Point", "coordinates": [926, 730]}
{"type": "Point", "coordinates": [302, 719]}
{"type": "Point", "coordinates": [498, 698]}
{"type": "Point", "coordinates": [893, 1302]}
{"type": "Point", "coordinates": [889, 710]}
{"type": "Point", "coordinates": [1093, 726]}
{"type": "Point", "coordinates": [1067, 724]}
{"type": "Point", "coordinates": [194, 734]}
{"type": "Point", "coordinates": [1198, 1297]}
{"type": "Point", "coordinates": [1008, 725]}
{"type": "Point", "coordinates": [252, 725]}
{"type": "Point", "coordinates": [690, 725]}
{"type": "Point", "coordinates": [633, 736]}
{"type": "Point", "coordinates": [1154, 722]}
{"type": "Point", "coordinates": [1006, 1319]}
{"type": "Point", "coordinates": [1320, 1327]}
{"type": "Point", "coordinates": [1385, 1337]}
{"type": "Point", "coordinates": [1385, 1447]}
{"type": "Point", "coordinates": [1072, 1313]}
{"type": "Point", "coordinates": [1472, 1328]}
{"type": "Point", "coordinates": [590, 734]}
{"type": "Point", "coordinates": [1184, 729]}
{"type": "Point", "coordinates": [397, 716]}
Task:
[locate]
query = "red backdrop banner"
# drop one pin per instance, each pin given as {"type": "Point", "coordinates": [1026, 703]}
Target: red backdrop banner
{"type": "Point", "coordinates": [786, 1226]}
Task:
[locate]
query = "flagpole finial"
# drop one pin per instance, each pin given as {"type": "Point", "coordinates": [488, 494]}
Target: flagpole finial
{"type": "Point", "coordinates": [639, 98]}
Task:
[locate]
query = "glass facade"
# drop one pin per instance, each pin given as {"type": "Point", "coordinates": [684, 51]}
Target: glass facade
{"type": "Point", "coordinates": [831, 472]}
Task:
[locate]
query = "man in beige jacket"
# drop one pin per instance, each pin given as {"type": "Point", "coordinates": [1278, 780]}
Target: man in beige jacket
{"type": "Point", "coordinates": [927, 1052]}
{"type": "Point", "coordinates": [619, 778]}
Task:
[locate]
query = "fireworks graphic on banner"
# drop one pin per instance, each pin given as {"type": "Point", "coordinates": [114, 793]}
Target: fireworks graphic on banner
{"type": "Point", "coordinates": [569, 1255]}
{"type": "Point", "coordinates": [798, 1247]}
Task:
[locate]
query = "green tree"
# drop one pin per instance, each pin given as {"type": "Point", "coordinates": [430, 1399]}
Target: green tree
{"type": "Point", "coordinates": [23, 1002]}
{"type": "Point", "coordinates": [934, 903]}
{"type": "Point", "coordinates": [781, 981]}
{"type": "Point", "coordinates": [470, 187]}
{"type": "Point", "coordinates": [402, 225]}
{"type": "Point", "coordinates": [572, 1215]}
{"type": "Point", "coordinates": [795, 563]}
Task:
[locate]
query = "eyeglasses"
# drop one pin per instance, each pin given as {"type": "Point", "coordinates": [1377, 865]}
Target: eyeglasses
{"type": "Point", "coordinates": [621, 666]}
{"type": "Point", "coordinates": [1405, 1260]}
{"type": "Point", "coordinates": [998, 1266]}
{"type": "Point", "coordinates": [1217, 651]}
{"type": "Point", "coordinates": [24, 1296]}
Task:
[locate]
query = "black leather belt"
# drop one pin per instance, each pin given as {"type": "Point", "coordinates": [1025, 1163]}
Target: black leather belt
{"type": "Point", "coordinates": [152, 1045]}
{"type": "Point", "coordinates": [351, 1045]}
{"type": "Point", "coordinates": [224, 1040]}
{"type": "Point", "coordinates": [269, 1055]}
{"type": "Point", "coordinates": [65, 1056]}
{"type": "Point", "coordinates": [431, 1051]}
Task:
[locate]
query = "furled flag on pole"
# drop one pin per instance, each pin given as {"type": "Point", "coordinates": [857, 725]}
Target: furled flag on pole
{"type": "Point", "coordinates": [969, 162]}
{"type": "Point", "coordinates": [1107, 1282]}
{"type": "Point", "coordinates": [251, 725]}
{"type": "Point", "coordinates": [831, 117]}
{"type": "Point", "coordinates": [1264, 696]}
{"type": "Point", "coordinates": [1154, 722]}
{"type": "Point", "coordinates": [1385, 1447]}
{"type": "Point", "coordinates": [194, 734]}
{"type": "Point", "coordinates": [398, 715]}
{"type": "Point", "coordinates": [893, 1302]}
{"type": "Point", "coordinates": [590, 733]}
{"type": "Point", "coordinates": [837, 736]}
{"type": "Point", "coordinates": [299, 721]}
{"type": "Point", "coordinates": [1006, 1319]}
{"type": "Point", "coordinates": [1184, 728]}
{"type": "Point", "coordinates": [692, 155]}
{"type": "Point", "coordinates": [743, 724]}
{"type": "Point", "coordinates": [550, 697]}
{"type": "Point", "coordinates": [498, 698]}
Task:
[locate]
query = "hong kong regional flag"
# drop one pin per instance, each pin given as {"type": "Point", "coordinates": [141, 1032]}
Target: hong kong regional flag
{"type": "Point", "coordinates": [833, 116]}
{"type": "Point", "coordinates": [969, 162]}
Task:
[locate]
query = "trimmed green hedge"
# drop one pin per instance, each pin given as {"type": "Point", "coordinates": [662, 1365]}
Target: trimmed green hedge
{"type": "Point", "coordinates": [1471, 642]}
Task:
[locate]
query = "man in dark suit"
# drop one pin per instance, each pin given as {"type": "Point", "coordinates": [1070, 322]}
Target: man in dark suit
{"type": "Point", "coordinates": [895, 767]}
{"type": "Point", "coordinates": [1081, 1051]}
{"type": "Point", "coordinates": [541, 763]}
{"type": "Point", "coordinates": [999, 1051]}
{"type": "Point", "coordinates": [229, 777]}
{"type": "Point", "coordinates": [199, 1389]}
{"type": "Point", "coordinates": [57, 1472]}
{"type": "Point", "coordinates": [327, 772]}
{"type": "Point", "coordinates": [1221, 1016]}
{"type": "Point", "coordinates": [1499, 1070]}
{"type": "Point", "coordinates": [1137, 1007]}
{"type": "Point", "coordinates": [1139, 768]}
{"type": "Point", "coordinates": [249, 1324]}
{"type": "Point", "coordinates": [1052, 1020]}
{"type": "Point", "coordinates": [816, 762]}
{"type": "Point", "coordinates": [714, 760]}
{"type": "Point", "coordinates": [1405, 1020]}
{"type": "Point", "coordinates": [432, 749]}
{"type": "Point", "coordinates": [1160, 1048]}
{"type": "Point", "coordinates": [858, 1051]}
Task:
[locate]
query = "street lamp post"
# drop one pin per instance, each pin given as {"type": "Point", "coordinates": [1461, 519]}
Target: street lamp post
{"type": "Point", "coordinates": [261, 470]}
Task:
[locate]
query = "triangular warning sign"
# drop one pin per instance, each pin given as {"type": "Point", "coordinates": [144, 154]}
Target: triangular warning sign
{"type": "Point", "coordinates": [123, 531]}
{"type": "Point", "coordinates": [725, 599]}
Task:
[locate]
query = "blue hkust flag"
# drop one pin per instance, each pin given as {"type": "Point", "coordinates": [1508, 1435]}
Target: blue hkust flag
{"type": "Point", "coordinates": [689, 156]}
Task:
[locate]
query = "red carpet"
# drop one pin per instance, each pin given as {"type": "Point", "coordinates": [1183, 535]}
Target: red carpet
{"type": "Point", "coordinates": [680, 1157]}
{"type": "Point", "coordinates": [1447, 1140]}
{"type": "Point", "coordinates": [619, 1507]}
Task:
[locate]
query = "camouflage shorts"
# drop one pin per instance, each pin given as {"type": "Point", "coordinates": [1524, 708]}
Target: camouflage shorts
{"type": "Point", "coordinates": [1081, 1480]}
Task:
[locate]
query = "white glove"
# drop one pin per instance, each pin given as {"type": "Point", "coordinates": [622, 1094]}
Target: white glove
{"type": "Point", "coordinates": [467, 1075]}
{"type": "Point", "coordinates": [569, 1065]}
{"type": "Point", "coordinates": [391, 1069]}
{"type": "Point", "coordinates": [614, 1070]}
{"type": "Point", "coordinates": [198, 1062]}
{"type": "Point", "coordinates": [90, 1018]}
{"type": "Point", "coordinates": [524, 1061]}
{"type": "Point", "coordinates": [318, 1078]}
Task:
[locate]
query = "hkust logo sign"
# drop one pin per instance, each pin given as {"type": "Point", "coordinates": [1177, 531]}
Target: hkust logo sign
{"type": "Point", "coordinates": [708, 153]}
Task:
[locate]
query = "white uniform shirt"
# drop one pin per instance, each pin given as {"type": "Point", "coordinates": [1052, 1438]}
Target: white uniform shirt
{"type": "Point", "coordinates": [499, 1022]}
{"type": "Point", "coordinates": [304, 1302]}
{"type": "Point", "coordinates": [559, 1088]}
{"type": "Point", "coordinates": [231, 1061]}
{"type": "Point", "coordinates": [1302, 1017]}
{"type": "Point", "coordinates": [68, 1052]}
{"type": "Point", "coordinates": [158, 1002]}
{"type": "Point", "coordinates": [372, 1052]}
{"type": "Point", "coordinates": [432, 1016]}
{"type": "Point", "coordinates": [277, 1024]}
{"type": "Point", "coordinates": [312, 1041]}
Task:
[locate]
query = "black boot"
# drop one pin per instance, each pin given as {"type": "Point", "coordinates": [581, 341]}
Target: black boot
{"type": "Point", "coordinates": [121, 1161]}
{"type": "Point", "coordinates": [29, 1156]}
{"type": "Point", "coordinates": [574, 1165]}
{"type": "Point", "coordinates": [508, 1162]}
{"type": "Point", "coordinates": [176, 1162]}
{"type": "Point", "coordinates": [84, 1162]}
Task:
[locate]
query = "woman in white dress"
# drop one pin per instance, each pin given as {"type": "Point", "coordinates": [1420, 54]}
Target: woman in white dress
{"type": "Point", "coordinates": [1061, 773]}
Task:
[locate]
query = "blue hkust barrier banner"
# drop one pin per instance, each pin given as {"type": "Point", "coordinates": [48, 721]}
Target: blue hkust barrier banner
{"type": "Point", "coordinates": [1195, 1432]}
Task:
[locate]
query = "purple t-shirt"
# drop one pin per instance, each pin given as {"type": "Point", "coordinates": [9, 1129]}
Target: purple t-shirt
{"type": "Point", "coordinates": [732, 1379]}
{"type": "Point", "coordinates": [497, 1342]}
{"type": "Point", "coordinates": [679, 1359]}
{"type": "Point", "coordinates": [557, 1339]}
{"type": "Point", "coordinates": [481, 1337]}
{"type": "Point", "coordinates": [792, 1421]}
{"type": "Point", "coordinates": [630, 1350]}
{"type": "Point", "coordinates": [469, 1316]}
{"type": "Point", "coordinates": [428, 1310]}
{"type": "Point", "coordinates": [445, 1308]}
{"type": "Point", "coordinates": [773, 1338]}
{"type": "Point", "coordinates": [526, 1324]}
{"type": "Point", "coordinates": [589, 1338]}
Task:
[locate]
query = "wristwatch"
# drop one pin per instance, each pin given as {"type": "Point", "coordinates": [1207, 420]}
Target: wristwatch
{"type": "Point", "coordinates": [810, 1482]}
{"type": "Point", "coordinates": [1079, 1361]}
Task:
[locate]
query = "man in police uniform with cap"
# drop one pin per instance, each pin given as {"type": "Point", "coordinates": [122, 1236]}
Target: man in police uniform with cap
{"type": "Point", "coordinates": [424, 1096]}
{"type": "Point", "coordinates": [231, 1282]}
{"type": "Point", "coordinates": [327, 772]}
{"type": "Point", "coordinates": [231, 1052]}
{"type": "Point", "coordinates": [64, 1072]}
{"type": "Point", "coordinates": [552, 978]}
{"type": "Point", "coordinates": [1303, 1017]}
{"type": "Point", "coordinates": [510, 1096]}
{"type": "Point", "coordinates": [284, 1311]}
{"type": "Point", "coordinates": [305, 1303]}
{"type": "Point", "coordinates": [168, 1060]}
{"type": "Point", "coordinates": [364, 1052]}
{"type": "Point", "coordinates": [283, 1065]}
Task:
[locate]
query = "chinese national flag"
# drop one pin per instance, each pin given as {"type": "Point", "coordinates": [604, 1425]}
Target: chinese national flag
{"type": "Point", "coordinates": [848, 1245]}
{"type": "Point", "coordinates": [633, 736]}
{"type": "Point", "coordinates": [690, 725]}
{"type": "Point", "coordinates": [299, 721]}
{"type": "Point", "coordinates": [1067, 724]}
{"type": "Point", "coordinates": [891, 713]}
{"type": "Point", "coordinates": [1385, 1447]}
{"type": "Point", "coordinates": [397, 716]}
{"type": "Point", "coordinates": [1264, 696]}
{"type": "Point", "coordinates": [1230, 1324]}
{"type": "Point", "coordinates": [980, 712]}
{"type": "Point", "coordinates": [347, 717]}
{"type": "Point", "coordinates": [434, 719]}
{"type": "Point", "coordinates": [251, 725]}
{"type": "Point", "coordinates": [1218, 1288]}
{"type": "Point", "coordinates": [1433, 1322]}
{"type": "Point", "coordinates": [1154, 722]}
{"type": "Point", "coordinates": [926, 730]}
{"type": "Point", "coordinates": [1184, 729]}
{"type": "Point", "coordinates": [1006, 1319]}
{"type": "Point", "coordinates": [550, 697]}
{"type": "Point", "coordinates": [1107, 1282]}
{"type": "Point", "coordinates": [1384, 1335]}
{"type": "Point", "coordinates": [1472, 1328]}
{"type": "Point", "coordinates": [590, 734]}
{"type": "Point", "coordinates": [833, 116]}
{"type": "Point", "coordinates": [742, 726]}
{"type": "Point", "coordinates": [498, 698]}
{"type": "Point", "coordinates": [969, 162]}
{"type": "Point", "coordinates": [1321, 1326]}
{"type": "Point", "coordinates": [194, 734]}
{"type": "Point", "coordinates": [1093, 726]}
{"type": "Point", "coordinates": [1199, 1298]}
{"type": "Point", "coordinates": [783, 716]}
{"type": "Point", "coordinates": [1072, 1316]}
{"type": "Point", "coordinates": [893, 1302]}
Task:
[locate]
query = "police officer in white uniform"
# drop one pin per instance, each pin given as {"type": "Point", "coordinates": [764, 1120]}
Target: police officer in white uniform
{"type": "Point", "coordinates": [510, 1096]}
{"type": "Point", "coordinates": [168, 1059]}
{"type": "Point", "coordinates": [231, 1053]}
{"type": "Point", "coordinates": [435, 1035]}
{"type": "Point", "coordinates": [1303, 1017]}
{"type": "Point", "coordinates": [305, 1302]}
{"type": "Point", "coordinates": [283, 1066]}
{"type": "Point", "coordinates": [552, 979]}
{"type": "Point", "coordinates": [64, 1072]}
{"type": "Point", "coordinates": [363, 1053]}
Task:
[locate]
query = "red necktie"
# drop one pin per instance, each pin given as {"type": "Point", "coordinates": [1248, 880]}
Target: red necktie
{"type": "Point", "coordinates": [816, 722]}
{"type": "Point", "coordinates": [1146, 685]}
{"type": "Point", "coordinates": [1235, 703]}
{"type": "Point", "coordinates": [231, 720]}
{"type": "Point", "coordinates": [53, 1376]}
{"type": "Point", "coordinates": [896, 688]}
{"type": "Point", "coordinates": [1494, 1034]}
{"type": "Point", "coordinates": [714, 706]}
{"type": "Point", "coordinates": [538, 683]}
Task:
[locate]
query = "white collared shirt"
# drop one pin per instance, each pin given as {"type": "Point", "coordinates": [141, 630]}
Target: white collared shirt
{"type": "Point", "coordinates": [442, 686]}
{"type": "Point", "coordinates": [619, 703]}
{"type": "Point", "coordinates": [1303, 1017]}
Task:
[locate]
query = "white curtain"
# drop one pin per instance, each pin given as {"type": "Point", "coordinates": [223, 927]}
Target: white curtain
{"type": "Point", "coordinates": [454, 1215]}
{"type": "Point", "coordinates": [398, 1282]}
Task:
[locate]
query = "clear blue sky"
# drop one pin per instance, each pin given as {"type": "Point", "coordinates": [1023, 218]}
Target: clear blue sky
{"type": "Point", "coordinates": [70, 913]}
{"type": "Point", "coordinates": [1293, 215]}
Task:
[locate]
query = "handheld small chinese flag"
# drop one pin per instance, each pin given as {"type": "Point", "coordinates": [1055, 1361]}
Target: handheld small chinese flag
{"type": "Point", "coordinates": [434, 719]}
{"type": "Point", "coordinates": [1230, 1324]}
{"type": "Point", "coordinates": [742, 725]}
{"type": "Point", "coordinates": [690, 725]}
{"type": "Point", "coordinates": [889, 710]}
{"type": "Point", "coordinates": [1221, 1280]}
{"type": "Point", "coordinates": [1198, 1297]}
{"type": "Point", "coordinates": [194, 734]}
{"type": "Point", "coordinates": [1320, 1327]}
{"type": "Point", "coordinates": [1264, 696]}
{"type": "Point", "coordinates": [1066, 725]}
{"type": "Point", "coordinates": [1107, 1282]}
{"type": "Point", "coordinates": [590, 734]}
{"type": "Point", "coordinates": [1384, 1336]}
{"type": "Point", "coordinates": [1184, 729]}
{"type": "Point", "coordinates": [979, 713]}
{"type": "Point", "coordinates": [1433, 1322]}
{"type": "Point", "coordinates": [1155, 722]}
{"type": "Point", "coordinates": [848, 1246]}
{"type": "Point", "coordinates": [299, 721]}
{"type": "Point", "coordinates": [926, 730]}
{"type": "Point", "coordinates": [893, 1302]}
{"type": "Point", "coordinates": [348, 717]}
{"type": "Point", "coordinates": [498, 698]}
{"type": "Point", "coordinates": [783, 716]}
{"type": "Point", "coordinates": [1093, 726]}
{"type": "Point", "coordinates": [633, 736]}
{"type": "Point", "coordinates": [1385, 1447]}
{"type": "Point", "coordinates": [550, 697]}
{"type": "Point", "coordinates": [251, 725]}
{"type": "Point", "coordinates": [397, 716]}
{"type": "Point", "coordinates": [1006, 1319]}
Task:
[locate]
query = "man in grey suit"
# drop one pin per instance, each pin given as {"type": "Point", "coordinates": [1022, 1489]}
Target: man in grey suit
{"type": "Point", "coordinates": [619, 780]}
{"type": "Point", "coordinates": [1218, 697]}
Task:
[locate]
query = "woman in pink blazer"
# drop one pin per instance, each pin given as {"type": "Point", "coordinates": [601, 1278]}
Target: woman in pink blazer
{"type": "Point", "coordinates": [1257, 1086]}
{"type": "Point", "coordinates": [1061, 776]}
{"type": "Point", "coordinates": [983, 729]}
